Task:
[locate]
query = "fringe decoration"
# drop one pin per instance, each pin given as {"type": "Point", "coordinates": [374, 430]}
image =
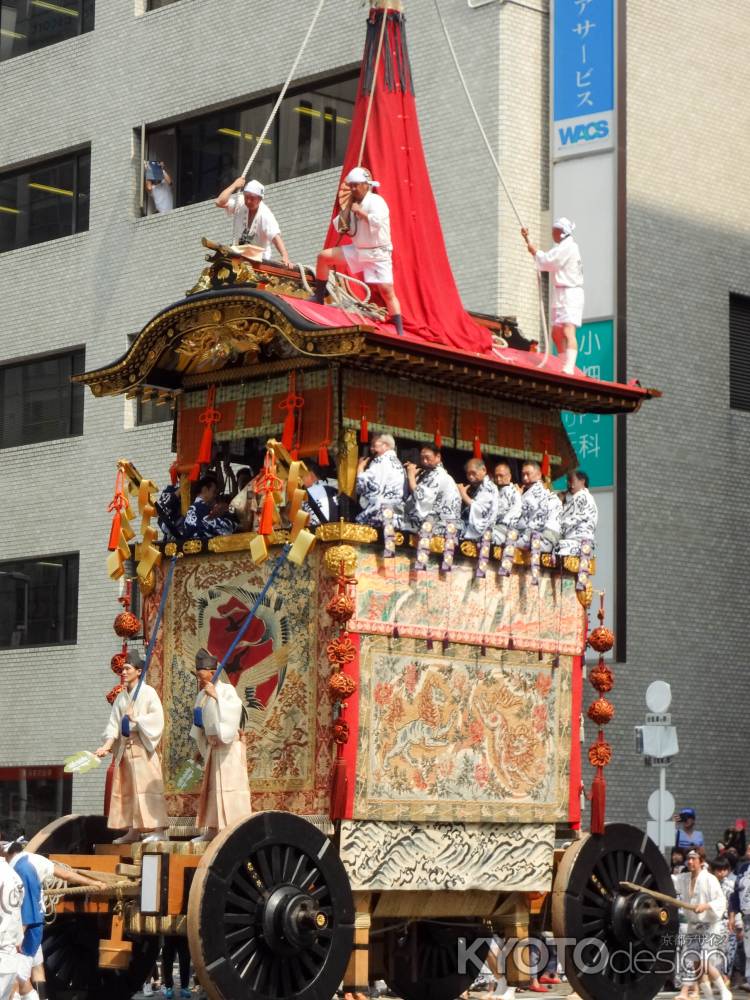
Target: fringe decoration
{"type": "Point", "coordinates": [208, 418]}
{"type": "Point", "coordinates": [396, 65]}
{"type": "Point", "coordinates": [598, 802]}
{"type": "Point", "coordinates": [339, 786]}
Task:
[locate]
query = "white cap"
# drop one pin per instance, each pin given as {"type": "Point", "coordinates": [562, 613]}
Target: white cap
{"type": "Point", "coordinates": [254, 187]}
{"type": "Point", "coordinates": [359, 175]}
{"type": "Point", "coordinates": [564, 225]}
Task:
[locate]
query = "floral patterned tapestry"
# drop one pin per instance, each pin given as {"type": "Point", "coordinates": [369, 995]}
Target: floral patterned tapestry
{"type": "Point", "coordinates": [504, 612]}
{"type": "Point", "coordinates": [278, 670]}
{"type": "Point", "coordinates": [463, 736]}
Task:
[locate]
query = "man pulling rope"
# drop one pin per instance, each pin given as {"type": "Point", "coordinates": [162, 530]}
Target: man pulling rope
{"type": "Point", "coordinates": [563, 262]}
{"type": "Point", "coordinates": [366, 218]}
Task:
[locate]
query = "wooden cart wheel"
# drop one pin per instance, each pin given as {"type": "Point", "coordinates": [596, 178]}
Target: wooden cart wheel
{"type": "Point", "coordinates": [71, 941]}
{"type": "Point", "coordinates": [422, 961]}
{"type": "Point", "coordinates": [617, 943]}
{"type": "Point", "coordinates": [270, 913]}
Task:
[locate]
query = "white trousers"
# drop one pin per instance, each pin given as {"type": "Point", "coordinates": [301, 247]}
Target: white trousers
{"type": "Point", "coordinates": [7, 985]}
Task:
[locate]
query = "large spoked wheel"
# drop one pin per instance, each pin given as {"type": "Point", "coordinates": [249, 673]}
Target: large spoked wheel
{"type": "Point", "coordinates": [271, 914]}
{"type": "Point", "coordinates": [618, 942]}
{"type": "Point", "coordinates": [71, 941]}
{"type": "Point", "coordinates": [423, 961]}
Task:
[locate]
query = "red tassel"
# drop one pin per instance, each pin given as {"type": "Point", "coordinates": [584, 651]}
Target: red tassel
{"type": "Point", "coordinates": [287, 436]}
{"type": "Point", "coordinates": [545, 465]}
{"type": "Point", "coordinates": [209, 416]}
{"type": "Point", "coordinates": [195, 473]}
{"type": "Point", "coordinates": [204, 449]}
{"type": "Point", "coordinates": [294, 454]}
{"type": "Point", "coordinates": [598, 802]}
{"type": "Point", "coordinates": [173, 473]}
{"type": "Point", "coordinates": [477, 448]}
{"type": "Point", "coordinates": [364, 433]}
{"type": "Point", "coordinates": [114, 532]}
{"type": "Point", "coordinates": [266, 517]}
{"type": "Point", "coordinates": [438, 438]}
{"type": "Point", "coordinates": [323, 458]}
{"type": "Point", "coordinates": [339, 785]}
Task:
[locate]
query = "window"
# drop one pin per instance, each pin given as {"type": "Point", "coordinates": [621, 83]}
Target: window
{"type": "Point", "coordinates": [45, 201]}
{"type": "Point", "coordinates": [739, 351]}
{"type": "Point", "coordinates": [38, 601]}
{"type": "Point", "coordinates": [38, 402]}
{"type": "Point", "coordinates": [311, 131]}
{"type": "Point", "coordinates": [32, 797]}
{"type": "Point", "coordinates": [156, 4]}
{"type": "Point", "coordinates": [27, 25]}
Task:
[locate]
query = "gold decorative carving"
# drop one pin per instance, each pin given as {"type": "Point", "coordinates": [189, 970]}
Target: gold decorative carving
{"type": "Point", "coordinates": [191, 546]}
{"type": "Point", "coordinates": [343, 531]}
{"type": "Point", "coordinates": [338, 554]}
{"type": "Point", "coordinates": [399, 539]}
{"type": "Point", "coordinates": [469, 549]}
{"type": "Point", "coordinates": [148, 585]}
{"type": "Point", "coordinates": [586, 596]}
{"type": "Point", "coordinates": [170, 549]}
{"type": "Point", "coordinates": [437, 543]}
{"type": "Point", "coordinates": [231, 543]}
{"type": "Point", "coordinates": [214, 345]}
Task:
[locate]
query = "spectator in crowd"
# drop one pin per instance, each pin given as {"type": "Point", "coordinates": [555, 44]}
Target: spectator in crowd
{"type": "Point", "coordinates": [739, 911]}
{"type": "Point", "coordinates": [687, 836]}
{"type": "Point", "coordinates": [722, 869]}
{"type": "Point", "coordinates": [175, 945]}
{"type": "Point", "coordinates": [678, 860]}
{"type": "Point", "coordinates": [244, 505]}
{"type": "Point", "coordinates": [208, 515]}
{"type": "Point", "coordinates": [159, 188]}
{"type": "Point", "coordinates": [380, 482]}
{"type": "Point", "coordinates": [253, 220]}
{"type": "Point", "coordinates": [32, 915]}
{"type": "Point", "coordinates": [480, 499]}
{"type": "Point", "coordinates": [322, 501]}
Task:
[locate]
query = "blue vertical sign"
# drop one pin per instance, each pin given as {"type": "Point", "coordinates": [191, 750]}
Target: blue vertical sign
{"type": "Point", "coordinates": [583, 95]}
{"type": "Point", "coordinates": [593, 434]}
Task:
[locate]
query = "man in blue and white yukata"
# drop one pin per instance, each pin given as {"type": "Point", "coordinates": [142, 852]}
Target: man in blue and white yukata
{"type": "Point", "coordinates": [563, 262]}
{"type": "Point", "coordinates": [207, 516]}
{"type": "Point", "coordinates": [380, 482]}
{"type": "Point", "coordinates": [538, 527]}
{"type": "Point", "coordinates": [433, 506]}
{"type": "Point", "coordinates": [480, 498]}
{"type": "Point", "coordinates": [579, 516]}
{"type": "Point", "coordinates": [508, 505]}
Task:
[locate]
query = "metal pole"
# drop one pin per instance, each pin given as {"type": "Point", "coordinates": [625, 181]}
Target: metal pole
{"type": "Point", "coordinates": [660, 807]}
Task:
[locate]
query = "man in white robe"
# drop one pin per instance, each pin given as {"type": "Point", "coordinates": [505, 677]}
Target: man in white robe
{"type": "Point", "coordinates": [563, 262]}
{"type": "Point", "coordinates": [433, 494]}
{"type": "Point", "coordinates": [217, 729]}
{"type": "Point", "coordinates": [579, 517]}
{"type": "Point", "coordinates": [538, 526]}
{"type": "Point", "coordinates": [252, 220]}
{"type": "Point", "coordinates": [132, 735]}
{"type": "Point", "coordinates": [508, 502]}
{"type": "Point", "coordinates": [704, 925]}
{"type": "Point", "coordinates": [380, 482]}
{"type": "Point", "coordinates": [322, 501]}
{"type": "Point", "coordinates": [480, 499]}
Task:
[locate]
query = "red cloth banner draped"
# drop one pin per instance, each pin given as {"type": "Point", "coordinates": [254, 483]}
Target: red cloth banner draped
{"type": "Point", "coordinates": [424, 282]}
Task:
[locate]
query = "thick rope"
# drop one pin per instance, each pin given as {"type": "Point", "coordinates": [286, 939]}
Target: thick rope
{"type": "Point", "coordinates": [488, 144]}
{"type": "Point", "coordinates": [373, 88]}
{"type": "Point", "coordinates": [282, 95]}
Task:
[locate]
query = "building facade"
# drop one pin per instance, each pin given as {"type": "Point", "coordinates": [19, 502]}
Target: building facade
{"type": "Point", "coordinates": [86, 261]}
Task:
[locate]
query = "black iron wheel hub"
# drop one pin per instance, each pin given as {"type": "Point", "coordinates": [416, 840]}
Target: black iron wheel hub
{"type": "Point", "coordinates": [290, 921]}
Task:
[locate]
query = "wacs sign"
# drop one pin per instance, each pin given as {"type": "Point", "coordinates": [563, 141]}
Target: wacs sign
{"type": "Point", "coordinates": [573, 136]}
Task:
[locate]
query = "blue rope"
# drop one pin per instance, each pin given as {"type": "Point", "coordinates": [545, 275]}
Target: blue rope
{"type": "Point", "coordinates": [155, 630]}
{"type": "Point", "coordinates": [253, 610]}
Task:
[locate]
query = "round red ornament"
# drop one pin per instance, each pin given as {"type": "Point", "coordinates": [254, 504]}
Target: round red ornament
{"type": "Point", "coordinates": [118, 662]}
{"type": "Point", "coordinates": [341, 686]}
{"type": "Point", "coordinates": [341, 650]}
{"type": "Point", "coordinates": [602, 639]}
{"type": "Point", "coordinates": [600, 754]}
{"type": "Point", "coordinates": [601, 711]}
{"type": "Point", "coordinates": [602, 678]}
{"type": "Point", "coordinates": [126, 625]}
{"type": "Point", "coordinates": [341, 607]}
{"type": "Point", "coordinates": [341, 731]}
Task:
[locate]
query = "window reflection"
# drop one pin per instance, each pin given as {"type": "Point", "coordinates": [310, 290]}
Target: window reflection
{"type": "Point", "coordinates": [27, 25]}
{"type": "Point", "coordinates": [310, 133]}
{"type": "Point", "coordinates": [38, 402]}
{"type": "Point", "coordinates": [45, 201]}
{"type": "Point", "coordinates": [39, 601]}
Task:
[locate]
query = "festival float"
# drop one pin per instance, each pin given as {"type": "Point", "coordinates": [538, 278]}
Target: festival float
{"type": "Point", "coordinates": [413, 741]}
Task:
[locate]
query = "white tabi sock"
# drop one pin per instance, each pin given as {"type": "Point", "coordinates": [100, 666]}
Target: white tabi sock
{"type": "Point", "coordinates": [569, 356]}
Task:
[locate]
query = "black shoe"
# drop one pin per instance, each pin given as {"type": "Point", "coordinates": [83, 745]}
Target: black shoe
{"type": "Point", "coordinates": [319, 295]}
